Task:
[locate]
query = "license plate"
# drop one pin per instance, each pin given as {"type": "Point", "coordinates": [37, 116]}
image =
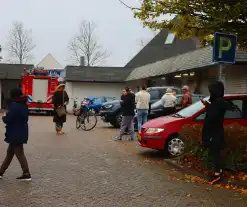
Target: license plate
{"type": "Point", "coordinates": [139, 137]}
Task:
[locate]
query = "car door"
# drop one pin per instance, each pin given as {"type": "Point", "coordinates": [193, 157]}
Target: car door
{"type": "Point", "coordinates": [236, 115]}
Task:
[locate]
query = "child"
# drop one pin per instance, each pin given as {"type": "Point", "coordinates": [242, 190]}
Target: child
{"type": "Point", "coordinates": [16, 135]}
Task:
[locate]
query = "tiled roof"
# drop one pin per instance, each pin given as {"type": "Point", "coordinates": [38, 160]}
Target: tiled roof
{"type": "Point", "coordinates": [97, 74]}
{"type": "Point", "coordinates": [187, 61]}
{"type": "Point", "coordinates": [157, 50]}
{"type": "Point", "coordinates": [12, 71]}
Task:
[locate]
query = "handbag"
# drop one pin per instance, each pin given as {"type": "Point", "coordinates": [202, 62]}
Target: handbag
{"type": "Point", "coordinates": [61, 111]}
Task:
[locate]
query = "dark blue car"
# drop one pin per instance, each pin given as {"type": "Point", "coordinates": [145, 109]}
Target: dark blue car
{"type": "Point", "coordinates": [95, 102]}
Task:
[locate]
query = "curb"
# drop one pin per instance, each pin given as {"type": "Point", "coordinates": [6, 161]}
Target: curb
{"type": "Point", "coordinates": [186, 170]}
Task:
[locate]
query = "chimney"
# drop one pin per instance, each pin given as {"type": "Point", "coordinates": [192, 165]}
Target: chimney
{"type": "Point", "coordinates": [82, 61]}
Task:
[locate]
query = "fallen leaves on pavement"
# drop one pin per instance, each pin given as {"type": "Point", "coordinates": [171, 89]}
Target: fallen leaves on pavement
{"type": "Point", "coordinates": [195, 179]}
{"type": "Point", "coordinates": [193, 162]}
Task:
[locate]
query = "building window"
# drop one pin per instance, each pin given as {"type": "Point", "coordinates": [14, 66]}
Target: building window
{"type": "Point", "coordinates": [170, 38]}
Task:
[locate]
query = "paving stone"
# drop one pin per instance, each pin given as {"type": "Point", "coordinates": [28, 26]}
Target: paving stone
{"type": "Point", "coordinates": [87, 169]}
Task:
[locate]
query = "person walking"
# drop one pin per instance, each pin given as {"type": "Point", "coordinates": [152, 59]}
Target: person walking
{"type": "Point", "coordinates": [16, 135]}
{"type": "Point", "coordinates": [60, 99]}
{"type": "Point", "coordinates": [142, 99]}
{"type": "Point", "coordinates": [169, 102]}
{"type": "Point", "coordinates": [128, 110]}
{"type": "Point", "coordinates": [213, 128]}
{"type": "Point", "coordinates": [186, 99]}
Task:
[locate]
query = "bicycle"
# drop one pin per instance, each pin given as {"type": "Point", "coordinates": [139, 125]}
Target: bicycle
{"type": "Point", "coordinates": [84, 118]}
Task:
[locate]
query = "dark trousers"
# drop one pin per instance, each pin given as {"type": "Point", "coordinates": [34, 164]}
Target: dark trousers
{"type": "Point", "coordinates": [168, 111]}
{"type": "Point", "coordinates": [18, 151]}
{"type": "Point", "coordinates": [215, 155]}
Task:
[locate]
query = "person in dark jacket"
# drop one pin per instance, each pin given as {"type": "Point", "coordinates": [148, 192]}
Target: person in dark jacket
{"type": "Point", "coordinates": [128, 110]}
{"type": "Point", "coordinates": [60, 99]}
{"type": "Point", "coordinates": [16, 134]}
{"type": "Point", "coordinates": [213, 128]}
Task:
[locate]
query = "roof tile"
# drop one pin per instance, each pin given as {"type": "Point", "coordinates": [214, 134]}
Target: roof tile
{"type": "Point", "coordinates": [97, 74]}
{"type": "Point", "coordinates": [190, 60]}
{"type": "Point", "coordinates": [12, 71]}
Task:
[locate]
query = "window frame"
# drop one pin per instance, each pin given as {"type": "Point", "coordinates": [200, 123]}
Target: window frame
{"type": "Point", "coordinates": [108, 97]}
{"type": "Point", "coordinates": [99, 100]}
{"type": "Point", "coordinates": [170, 38]}
{"type": "Point", "coordinates": [230, 99]}
{"type": "Point", "coordinates": [157, 91]}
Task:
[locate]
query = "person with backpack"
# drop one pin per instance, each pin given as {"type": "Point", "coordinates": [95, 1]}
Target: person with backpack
{"type": "Point", "coordinates": [16, 134]}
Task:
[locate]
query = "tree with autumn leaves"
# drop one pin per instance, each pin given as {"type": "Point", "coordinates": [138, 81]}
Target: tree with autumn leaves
{"type": "Point", "coordinates": [196, 18]}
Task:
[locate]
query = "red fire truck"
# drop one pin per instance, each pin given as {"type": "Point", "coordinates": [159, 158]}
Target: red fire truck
{"type": "Point", "coordinates": [39, 87]}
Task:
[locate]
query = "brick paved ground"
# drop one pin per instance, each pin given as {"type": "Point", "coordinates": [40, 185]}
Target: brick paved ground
{"type": "Point", "coordinates": [89, 169]}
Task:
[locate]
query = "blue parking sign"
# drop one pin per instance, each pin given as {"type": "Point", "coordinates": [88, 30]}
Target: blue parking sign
{"type": "Point", "coordinates": [225, 46]}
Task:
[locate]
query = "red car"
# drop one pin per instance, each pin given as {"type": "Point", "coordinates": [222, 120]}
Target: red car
{"type": "Point", "coordinates": [163, 133]}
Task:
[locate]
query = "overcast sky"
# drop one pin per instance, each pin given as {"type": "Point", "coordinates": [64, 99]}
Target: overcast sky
{"type": "Point", "coordinates": [55, 22]}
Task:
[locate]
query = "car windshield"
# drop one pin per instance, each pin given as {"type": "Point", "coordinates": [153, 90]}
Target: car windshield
{"type": "Point", "coordinates": [192, 109]}
{"type": "Point", "coordinates": [98, 99]}
{"type": "Point", "coordinates": [110, 99]}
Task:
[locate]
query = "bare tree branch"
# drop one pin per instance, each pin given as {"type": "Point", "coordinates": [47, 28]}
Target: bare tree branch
{"type": "Point", "coordinates": [86, 44]}
{"type": "Point", "coordinates": [142, 42]}
{"type": "Point", "coordinates": [133, 8]}
{"type": "Point", "coordinates": [19, 42]}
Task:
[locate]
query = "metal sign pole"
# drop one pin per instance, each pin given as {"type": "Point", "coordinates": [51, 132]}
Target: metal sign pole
{"type": "Point", "coordinates": [220, 71]}
{"type": "Point", "coordinates": [221, 74]}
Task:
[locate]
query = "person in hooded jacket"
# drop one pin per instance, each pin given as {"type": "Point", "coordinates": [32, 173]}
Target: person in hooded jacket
{"type": "Point", "coordinates": [213, 128]}
{"type": "Point", "coordinates": [16, 134]}
{"type": "Point", "coordinates": [128, 109]}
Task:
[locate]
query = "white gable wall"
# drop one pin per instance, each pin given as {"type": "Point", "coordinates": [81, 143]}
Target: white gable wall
{"type": "Point", "coordinates": [49, 62]}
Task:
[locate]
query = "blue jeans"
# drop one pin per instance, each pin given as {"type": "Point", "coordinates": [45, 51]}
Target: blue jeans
{"type": "Point", "coordinates": [142, 117]}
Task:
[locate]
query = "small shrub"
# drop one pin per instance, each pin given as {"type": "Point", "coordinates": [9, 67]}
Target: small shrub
{"type": "Point", "coordinates": [234, 153]}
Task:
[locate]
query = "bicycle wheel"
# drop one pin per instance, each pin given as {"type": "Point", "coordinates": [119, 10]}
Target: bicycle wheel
{"type": "Point", "coordinates": [78, 122]}
{"type": "Point", "coordinates": [89, 122]}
